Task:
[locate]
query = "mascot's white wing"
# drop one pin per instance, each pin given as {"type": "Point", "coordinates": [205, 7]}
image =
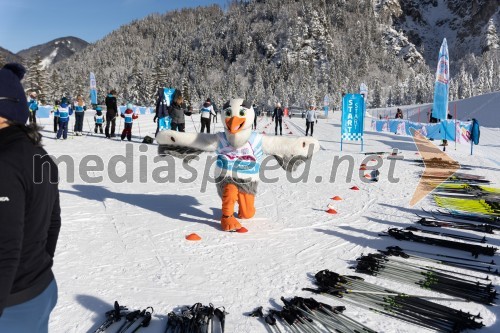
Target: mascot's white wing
{"type": "Point", "coordinates": [290, 152]}
{"type": "Point", "coordinates": [185, 145]}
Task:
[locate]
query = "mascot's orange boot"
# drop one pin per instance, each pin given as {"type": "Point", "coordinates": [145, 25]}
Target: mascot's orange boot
{"type": "Point", "coordinates": [229, 198]}
{"type": "Point", "coordinates": [246, 209]}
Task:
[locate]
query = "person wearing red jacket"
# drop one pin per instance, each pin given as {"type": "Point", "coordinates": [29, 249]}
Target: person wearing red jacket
{"type": "Point", "coordinates": [129, 117]}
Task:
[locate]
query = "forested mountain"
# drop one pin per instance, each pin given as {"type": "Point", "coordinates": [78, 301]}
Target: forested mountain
{"type": "Point", "coordinates": [54, 51]}
{"type": "Point", "coordinates": [293, 51]}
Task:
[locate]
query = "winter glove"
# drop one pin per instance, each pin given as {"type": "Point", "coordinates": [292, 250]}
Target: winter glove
{"type": "Point", "coordinates": [154, 119]}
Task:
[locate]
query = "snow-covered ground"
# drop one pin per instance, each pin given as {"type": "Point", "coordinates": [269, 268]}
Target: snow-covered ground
{"type": "Point", "coordinates": [126, 241]}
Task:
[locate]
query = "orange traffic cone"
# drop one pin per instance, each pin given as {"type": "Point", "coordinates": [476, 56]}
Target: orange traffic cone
{"type": "Point", "coordinates": [193, 237]}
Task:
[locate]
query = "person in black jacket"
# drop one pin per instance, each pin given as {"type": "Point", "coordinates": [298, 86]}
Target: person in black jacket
{"type": "Point", "coordinates": [176, 111]}
{"type": "Point", "coordinates": [111, 114]}
{"type": "Point", "coordinates": [161, 109]}
{"type": "Point", "coordinates": [29, 214]}
{"type": "Point", "coordinates": [278, 117]}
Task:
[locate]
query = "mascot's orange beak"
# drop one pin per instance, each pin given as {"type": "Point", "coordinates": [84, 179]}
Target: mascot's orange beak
{"type": "Point", "coordinates": [234, 124]}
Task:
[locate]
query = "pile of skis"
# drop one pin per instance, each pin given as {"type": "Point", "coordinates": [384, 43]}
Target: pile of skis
{"type": "Point", "coordinates": [488, 267]}
{"type": "Point", "coordinates": [474, 249]}
{"type": "Point", "coordinates": [137, 319]}
{"type": "Point", "coordinates": [410, 308]}
{"type": "Point", "coordinates": [306, 315]}
{"type": "Point", "coordinates": [426, 277]}
{"type": "Point", "coordinates": [197, 319]}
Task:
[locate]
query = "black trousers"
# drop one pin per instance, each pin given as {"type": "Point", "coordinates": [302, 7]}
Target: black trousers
{"type": "Point", "coordinates": [56, 124]}
{"type": "Point", "coordinates": [32, 117]}
{"type": "Point", "coordinates": [78, 122]}
{"type": "Point", "coordinates": [98, 127]}
{"type": "Point", "coordinates": [205, 123]}
{"type": "Point", "coordinates": [178, 127]}
{"type": "Point", "coordinates": [127, 131]}
{"type": "Point", "coordinates": [309, 124]}
{"type": "Point", "coordinates": [276, 126]}
{"type": "Point", "coordinates": [110, 121]}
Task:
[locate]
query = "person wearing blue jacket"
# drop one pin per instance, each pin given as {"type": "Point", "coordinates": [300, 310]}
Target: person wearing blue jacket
{"type": "Point", "coordinates": [79, 109]}
{"type": "Point", "coordinates": [63, 112]}
{"type": "Point", "coordinates": [33, 107]}
{"type": "Point", "coordinates": [98, 120]}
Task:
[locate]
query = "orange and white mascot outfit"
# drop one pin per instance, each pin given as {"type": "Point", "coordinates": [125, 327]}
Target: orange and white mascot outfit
{"type": "Point", "coordinates": [239, 154]}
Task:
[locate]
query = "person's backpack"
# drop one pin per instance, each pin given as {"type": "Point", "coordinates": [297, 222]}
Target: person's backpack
{"type": "Point", "coordinates": [147, 139]}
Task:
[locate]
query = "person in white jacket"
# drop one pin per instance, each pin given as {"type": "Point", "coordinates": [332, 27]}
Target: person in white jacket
{"type": "Point", "coordinates": [207, 112]}
{"type": "Point", "coordinates": [310, 117]}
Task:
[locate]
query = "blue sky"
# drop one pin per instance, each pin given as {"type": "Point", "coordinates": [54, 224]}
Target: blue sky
{"type": "Point", "coordinates": [26, 23]}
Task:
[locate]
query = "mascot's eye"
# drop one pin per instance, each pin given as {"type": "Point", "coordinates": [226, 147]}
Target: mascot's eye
{"type": "Point", "coordinates": [242, 112]}
{"type": "Point", "coordinates": [228, 113]}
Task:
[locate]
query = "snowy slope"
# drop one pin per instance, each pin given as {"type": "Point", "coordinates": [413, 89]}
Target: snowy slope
{"type": "Point", "coordinates": [125, 241]}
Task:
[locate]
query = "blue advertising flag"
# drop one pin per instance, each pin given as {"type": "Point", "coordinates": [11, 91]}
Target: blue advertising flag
{"type": "Point", "coordinates": [93, 89]}
{"type": "Point", "coordinates": [353, 107]}
{"type": "Point", "coordinates": [441, 87]}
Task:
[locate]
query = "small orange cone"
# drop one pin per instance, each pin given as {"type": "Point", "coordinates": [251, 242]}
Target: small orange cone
{"type": "Point", "coordinates": [355, 188]}
{"type": "Point", "coordinates": [193, 237]}
{"type": "Point", "coordinates": [336, 198]}
{"type": "Point", "coordinates": [331, 211]}
{"type": "Point", "coordinates": [362, 168]}
{"type": "Point", "coordinates": [363, 164]}
{"type": "Point", "coordinates": [290, 132]}
{"type": "Point", "coordinates": [368, 176]}
{"type": "Point", "coordinates": [373, 160]}
{"type": "Point", "coordinates": [242, 230]}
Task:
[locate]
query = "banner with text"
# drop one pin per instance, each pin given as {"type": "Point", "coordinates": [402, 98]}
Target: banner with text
{"type": "Point", "coordinates": [353, 107]}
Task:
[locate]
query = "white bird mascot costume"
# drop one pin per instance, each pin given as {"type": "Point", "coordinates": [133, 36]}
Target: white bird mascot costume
{"type": "Point", "coordinates": [239, 154]}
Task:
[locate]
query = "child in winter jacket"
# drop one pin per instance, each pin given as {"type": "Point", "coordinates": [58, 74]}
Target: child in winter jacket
{"type": "Point", "coordinates": [129, 117]}
{"type": "Point", "coordinates": [98, 120]}
{"type": "Point", "coordinates": [63, 112]}
{"type": "Point", "coordinates": [33, 107]}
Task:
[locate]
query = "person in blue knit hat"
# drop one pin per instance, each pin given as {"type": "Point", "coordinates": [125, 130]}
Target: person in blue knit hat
{"type": "Point", "coordinates": [98, 120]}
{"type": "Point", "coordinates": [63, 112]}
{"type": "Point", "coordinates": [30, 215]}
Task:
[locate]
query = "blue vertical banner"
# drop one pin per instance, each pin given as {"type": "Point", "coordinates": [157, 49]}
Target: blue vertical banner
{"type": "Point", "coordinates": [326, 104]}
{"type": "Point", "coordinates": [353, 114]}
{"type": "Point", "coordinates": [93, 89]}
{"type": "Point", "coordinates": [441, 87]}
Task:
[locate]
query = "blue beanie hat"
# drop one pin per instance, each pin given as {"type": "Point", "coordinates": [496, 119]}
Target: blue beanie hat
{"type": "Point", "coordinates": [13, 103]}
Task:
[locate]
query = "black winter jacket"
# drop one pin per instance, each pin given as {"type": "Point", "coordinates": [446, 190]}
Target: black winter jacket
{"type": "Point", "coordinates": [177, 114]}
{"type": "Point", "coordinates": [29, 217]}
{"type": "Point", "coordinates": [278, 114]}
{"type": "Point", "coordinates": [111, 106]}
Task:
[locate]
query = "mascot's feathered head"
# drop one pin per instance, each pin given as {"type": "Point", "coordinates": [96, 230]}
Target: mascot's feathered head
{"type": "Point", "coordinates": [238, 116]}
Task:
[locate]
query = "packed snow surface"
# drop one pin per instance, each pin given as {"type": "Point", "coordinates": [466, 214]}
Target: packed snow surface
{"type": "Point", "coordinates": [125, 240]}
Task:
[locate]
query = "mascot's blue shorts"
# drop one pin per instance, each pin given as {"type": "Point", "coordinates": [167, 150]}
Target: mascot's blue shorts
{"type": "Point", "coordinates": [31, 316]}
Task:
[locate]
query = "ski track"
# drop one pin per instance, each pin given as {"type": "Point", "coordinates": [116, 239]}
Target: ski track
{"type": "Point", "coordinates": [126, 241]}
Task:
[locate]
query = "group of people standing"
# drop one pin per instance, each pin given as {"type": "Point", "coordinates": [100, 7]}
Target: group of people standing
{"type": "Point", "coordinates": [63, 109]}
{"type": "Point", "coordinates": [309, 115]}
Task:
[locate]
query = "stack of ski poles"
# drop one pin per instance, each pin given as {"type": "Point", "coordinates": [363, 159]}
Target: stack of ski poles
{"type": "Point", "coordinates": [488, 267]}
{"type": "Point", "coordinates": [197, 319]}
{"type": "Point", "coordinates": [410, 308]}
{"type": "Point", "coordinates": [306, 315]}
{"type": "Point", "coordinates": [454, 224]}
{"type": "Point", "coordinates": [427, 278]}
{"type": "Point", "coordinates": [475, 249]}
{"type": "Point", "coordinates": [138, 318]}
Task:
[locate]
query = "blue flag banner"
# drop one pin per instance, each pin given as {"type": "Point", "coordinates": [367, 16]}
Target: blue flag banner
{"type": "Point", "coordinates": [168, 95]}
{"type": "Point", "coordinates": [143, 109]}
{"type": "Point", "coordinates": [353, 107]}
{"type": "Point", "coordinates": [93, 89]}
{"type": "Point", "coordinates": [43, 111]}
{"type": "Point", "coordinates": [441, 87]}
